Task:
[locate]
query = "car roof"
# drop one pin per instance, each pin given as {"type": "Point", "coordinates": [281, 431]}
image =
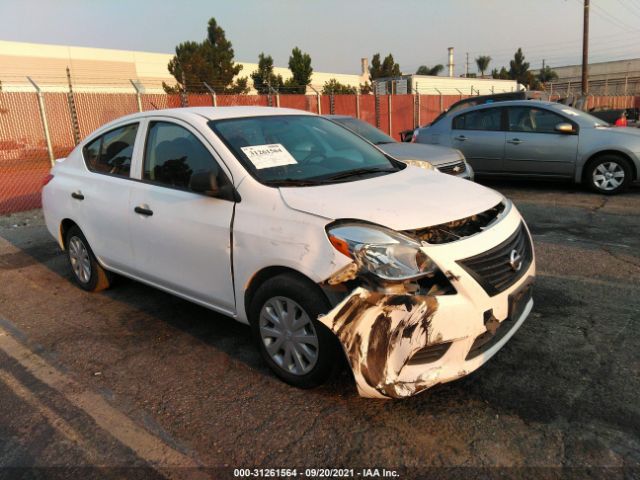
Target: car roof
{"type": "Point", "coordinates": [210, 113]}
{"type": "Point", "coordinates": [508, 103]}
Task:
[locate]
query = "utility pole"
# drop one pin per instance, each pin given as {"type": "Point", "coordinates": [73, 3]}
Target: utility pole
{"type": "Point", "coordinates": [466, 67]}
{"type": "Point", "coordinates": [585, 50]}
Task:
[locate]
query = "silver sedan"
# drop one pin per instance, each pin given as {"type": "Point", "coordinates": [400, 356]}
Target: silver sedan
{"type": "Point", "coordinates": [444, 159]}
{"type": "Point", "coordinates": [530, 138]}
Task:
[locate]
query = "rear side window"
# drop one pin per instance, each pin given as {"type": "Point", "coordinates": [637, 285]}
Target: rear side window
{"type": "Point", "coordinates": [173, 154]}
{"type": "Point", "coordinates": [111, 153]}
{"type": "Point", "coordinates": [488, 119]}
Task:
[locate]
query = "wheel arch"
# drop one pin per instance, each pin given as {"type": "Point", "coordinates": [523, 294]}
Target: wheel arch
{"type": "Point", "coordinates": [266, 273]}
{"type": "Point", "coordinates": [592, 157]}
{"type": "Point", "coordinates": [65, 225]}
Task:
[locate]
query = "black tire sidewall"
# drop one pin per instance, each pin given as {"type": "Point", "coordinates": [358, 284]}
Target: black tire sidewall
{"type": "Point", "coordinates": [94, 278]}
{"type": "Point", "coordinates": [592, 165]}
{"type": "Point", "coordinates": [309, 296]}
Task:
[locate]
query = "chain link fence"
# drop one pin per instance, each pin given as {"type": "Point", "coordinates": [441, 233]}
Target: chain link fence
{"type": "Point", "coordinates": [36, 128]}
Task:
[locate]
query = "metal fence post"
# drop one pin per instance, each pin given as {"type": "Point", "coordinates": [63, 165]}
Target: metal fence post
{"type": "Point", "coordinates": [45, 124]}
{"type": "Point", "coordinates": [441, 100]}
{"type": "Point", "coordinates": [214, 99]}
{"type": "Point", "coordinates": [332, 103]}
{"type": "Point", "coordinates": [357, 105]}
{"type": "Point", "coordinates": [184, 99]}
{"type": "Point", "coordinates": [138, 96]}
{"type": "Point", "coordinates": [72, 111]}
{"type": "Point", "coordinates": [377, 103]}
{"type": "Point", "coordinates": [389, 108]}
{"type": "Point", "coordinates": [318, 98]}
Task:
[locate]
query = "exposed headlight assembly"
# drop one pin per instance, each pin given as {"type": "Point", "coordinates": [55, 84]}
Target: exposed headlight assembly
{"type": "Point", "coordinates": [387, 254]}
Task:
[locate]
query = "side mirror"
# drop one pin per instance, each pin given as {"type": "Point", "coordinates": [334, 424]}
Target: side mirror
{"type": "Point", "coordinates": [564, 127]}
{"type": "Point", "coordinates": [205, 183]}
{"type": "Point", "coordinates": [208, 183]}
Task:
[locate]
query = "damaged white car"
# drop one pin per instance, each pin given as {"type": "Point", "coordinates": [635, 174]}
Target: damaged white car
{"type": "Point", "coordinates": [315, 237]}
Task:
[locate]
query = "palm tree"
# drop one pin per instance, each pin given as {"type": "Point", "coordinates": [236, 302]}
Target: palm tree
{"type": "Point", "coordinates": [424, 70]}
{"type": "Point", "coordinates": [483, 63]}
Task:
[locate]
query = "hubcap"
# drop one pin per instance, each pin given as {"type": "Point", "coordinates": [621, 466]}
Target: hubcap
{"type": "Point", "coordinates": [288, 335]}
{"type": "Point", "coordinates": [79, 256]}
{"type": "Point", "coordinates": [608, 176]}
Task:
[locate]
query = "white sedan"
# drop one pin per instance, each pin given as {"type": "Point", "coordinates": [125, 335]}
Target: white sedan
{"type": "Point", "coordinates": [316, 238]}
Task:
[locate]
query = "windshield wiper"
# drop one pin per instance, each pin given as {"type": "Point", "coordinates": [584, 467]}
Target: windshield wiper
{"type": "Point", "coordinates": [357, 172]}
{"type": "Point", "coordinates": [289, 182]}
{"type": "Point", "coordinates": [383, 142]}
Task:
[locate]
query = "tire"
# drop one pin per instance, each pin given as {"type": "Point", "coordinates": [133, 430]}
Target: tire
{"type": "Point", "coordinates": [608, 174]}
{"type": "Point", "coordinates": [303, 297]}
{"type": "Point", "coordinates": [87, 272]}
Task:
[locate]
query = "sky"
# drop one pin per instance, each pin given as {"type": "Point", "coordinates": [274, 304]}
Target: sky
{"type": "Point", "coordinates": [337, 33]}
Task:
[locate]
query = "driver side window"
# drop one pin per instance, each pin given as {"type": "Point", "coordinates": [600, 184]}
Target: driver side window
{"type": "Point", "coordinates": [535, 120]}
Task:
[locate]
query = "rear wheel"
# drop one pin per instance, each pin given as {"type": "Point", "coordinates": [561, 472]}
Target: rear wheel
{"type": "Point", "coordinates": [87, 272]}
{"type": "Point", "coordinates": [608, 174]}
{"type": "Point", "coordinates": [294, 344]}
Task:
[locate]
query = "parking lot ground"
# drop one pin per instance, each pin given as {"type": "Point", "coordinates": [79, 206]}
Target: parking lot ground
{"type": "Point", "coordinates": [136, 379]}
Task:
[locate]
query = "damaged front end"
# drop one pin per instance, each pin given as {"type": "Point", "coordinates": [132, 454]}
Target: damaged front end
{"type": "Point", "coordinates": [405, 323]}
{"type": "Point", "coordinates": [389, 295]}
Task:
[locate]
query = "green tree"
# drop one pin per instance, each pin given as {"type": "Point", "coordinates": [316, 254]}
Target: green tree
{"type": "Point", "coordinates": [519, 69]}
{"type": "Point", "coordinates": [263, 77]}
{"type": "Point", "coordinates": [482, 63]}
{"type": "Point", "coordinates": [503, 74]}
{"type": "Point", "coordinates": [301, 71]}
{"type": "Point", "coordinates": [387, 68]}
{"type": "Point", "coordinates": [434, 71]}
{"type": "Point", "coordinates": [210, 61]}
{"type": "Point", "coordinates": [547, 74]}
{"type": "Point", "coordinates": [333, 86]}
{"type": "Point", "coordinates": [365, 88]}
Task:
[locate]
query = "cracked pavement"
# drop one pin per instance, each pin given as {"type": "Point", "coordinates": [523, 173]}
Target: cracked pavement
{"type": "Point", "coordinates": [562, 393]}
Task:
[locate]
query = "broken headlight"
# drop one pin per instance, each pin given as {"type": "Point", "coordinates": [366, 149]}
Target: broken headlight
{"type": "Point", "coordinates": [387, 254]}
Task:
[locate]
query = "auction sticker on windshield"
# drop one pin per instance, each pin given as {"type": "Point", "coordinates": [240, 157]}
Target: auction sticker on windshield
{"type": "Point", "coordinates": [268, 156]}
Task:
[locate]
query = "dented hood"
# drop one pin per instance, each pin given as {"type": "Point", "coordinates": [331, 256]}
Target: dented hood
{"type": "Point", "coordinates": [408, 199]}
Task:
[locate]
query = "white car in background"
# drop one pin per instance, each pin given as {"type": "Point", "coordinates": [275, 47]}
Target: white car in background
{"type": "Point", "coordinates": [297, 226]}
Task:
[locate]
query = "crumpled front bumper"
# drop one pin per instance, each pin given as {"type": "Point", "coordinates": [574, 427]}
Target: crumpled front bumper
{"type": "Point", "coordinates": [382, 331]}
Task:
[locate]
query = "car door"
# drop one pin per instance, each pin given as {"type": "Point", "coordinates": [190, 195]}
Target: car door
{"type": "Point", "coordinates": [481, 138]}
{"type": "Point", "coordinates": [181, 239]}
{"type": "Point", "coordinates": [102, 196]}
{"type": "Point", "coordinates": [535, 147]}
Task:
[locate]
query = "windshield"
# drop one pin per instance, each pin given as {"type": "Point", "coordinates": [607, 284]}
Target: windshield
{"type": "Point", "coordinates": [299, 150]}
{"type": "Point", "coordinates": [365, 130]}
{"type": "Point", "coordinates": [579, 115]}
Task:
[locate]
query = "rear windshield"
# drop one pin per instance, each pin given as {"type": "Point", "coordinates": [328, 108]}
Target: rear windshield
{"type": "Point", "coordinates": [300, 150]}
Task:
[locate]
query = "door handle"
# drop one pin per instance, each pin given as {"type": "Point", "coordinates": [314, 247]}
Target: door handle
{"type": "Point", "coordinates": [461, 138]}
{"type": "Point", "coordinates": [515, 141]}
{"type": "Point", "coordinates": [77, 196]}
{"type": "Point", "coordinates": [143, 211]}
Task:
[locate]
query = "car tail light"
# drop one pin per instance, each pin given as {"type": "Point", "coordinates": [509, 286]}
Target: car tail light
{"type": "Point", "coordinates": [47, 179]}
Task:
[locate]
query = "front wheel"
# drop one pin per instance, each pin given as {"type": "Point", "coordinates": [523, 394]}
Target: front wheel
{"type": "Point", "coordinates": [294, 344]}
{"type": "Point", "coordinates": [608, 174]}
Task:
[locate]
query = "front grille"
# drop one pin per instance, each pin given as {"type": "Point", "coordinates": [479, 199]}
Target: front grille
{"type": "Point", "coordinates": [495, 270]}
{"type": "Point", "coordinates": [429, 354]}
{"type": "Point", "coordinates": [453, 169]}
